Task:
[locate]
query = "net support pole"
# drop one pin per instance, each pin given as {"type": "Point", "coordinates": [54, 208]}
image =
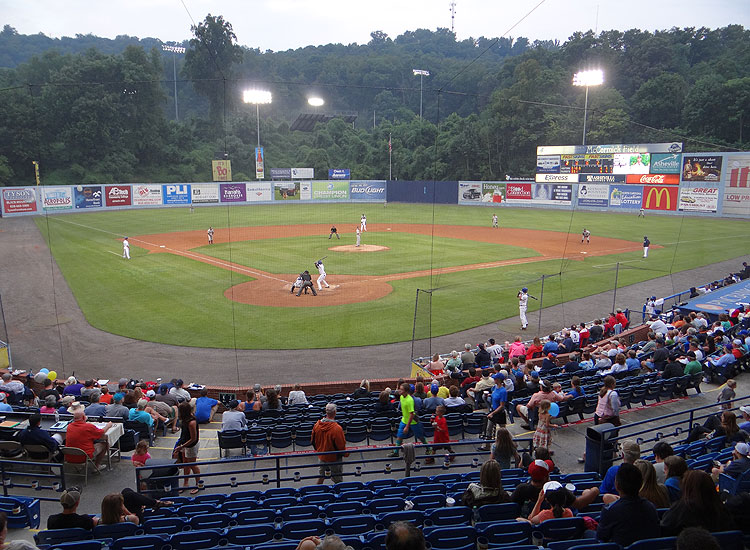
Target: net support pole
{"type": "Point", "coordinates": [541, 306]}
{"type": "Point", "coordinates": [614, 297]}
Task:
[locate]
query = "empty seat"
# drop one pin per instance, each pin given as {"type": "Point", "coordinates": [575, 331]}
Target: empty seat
{"type": "Point", "coordinates": [449, 538]}
{"type": "Point", "coordinates": [353, 525]}
{"type": "Point", "coordinates": [449, 515]}
{"type": "Point", "coordinates": [250, 535]}
{"type": "Point", "coordinates": [499, 512]}
{"type": "Point", "coordinates": [215, 520]}
{"type": "Point", "coordinates": [116, 530]}
{"type": "Point", "coordinates": [165, 526]}
{"type": "Point", "coordinates": [297, 530]}
{"type": "Point", "coordinates": [141, 542]}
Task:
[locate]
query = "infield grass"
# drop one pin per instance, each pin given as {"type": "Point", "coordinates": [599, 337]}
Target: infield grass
{"type": "Point", "coordinates": [169, 299]}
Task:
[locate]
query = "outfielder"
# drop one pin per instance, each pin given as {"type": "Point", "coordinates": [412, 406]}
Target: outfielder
{"type": "Point", "coordinates": [523, 300]}
{"type": "Point", "coordinates": [586, 236]}
{"type": "Point", "coordinates": [646, 244]}
{"type": "Point", "coordinates": [358, 236]}
{"type": "Point", "coordinates": [363, 223]}
{"type": "Point", "coordinates": [641, 213]}
{"type": "Point", "coordinates": [126, 248]}
{"type": "Point", "coordinates": [494, 220]}
{"type": "Point", "coordinates": [322, 276]}
{"type": "Point", "coordinates": [210, 233]}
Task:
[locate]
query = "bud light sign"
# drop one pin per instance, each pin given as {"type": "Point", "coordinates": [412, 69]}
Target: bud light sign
{"type": "Point", "coordinates": [339, 174]}
{"type": "Point", "coordinates": [367, 190]}
{"type": "Point", "coordinates": [176, 194]}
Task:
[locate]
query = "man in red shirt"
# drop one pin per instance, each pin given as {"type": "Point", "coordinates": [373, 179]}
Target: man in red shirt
{"type": "Point", "coordinates": [87, 437]}
{"type": "Point", "coordinates": [622, 319]}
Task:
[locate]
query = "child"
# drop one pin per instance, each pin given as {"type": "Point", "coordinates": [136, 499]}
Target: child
{"type": "Point", "coordinates": [504, 449]}
{"type": "Point", "coordinates": [141, 455]}
{"type": "Point", "coordinates": [542, 433]}
{"type": "Point", "coordinates": [441, 433]}
{"type": "Point", "coordinates": [556, 496]}
{"type": "Point", "coordinates": [727, 394]}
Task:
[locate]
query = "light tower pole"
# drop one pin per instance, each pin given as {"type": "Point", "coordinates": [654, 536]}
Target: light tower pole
{"type": "Point", "coordinates": [421, 73]}
{"type": "Point", "coordinates": [175, 50]}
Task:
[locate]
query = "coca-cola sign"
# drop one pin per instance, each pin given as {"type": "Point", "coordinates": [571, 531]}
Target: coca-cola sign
{"type": "Point", "coordinates": [653, 179]}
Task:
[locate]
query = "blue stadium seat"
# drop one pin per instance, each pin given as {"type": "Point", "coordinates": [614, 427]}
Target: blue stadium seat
{"type": "Point", "coordinates": [281, 437]}
{"type": "Point", "coordinates": [413, 480]}
{"type": "Point", "coordinates": [428, 502]}
{"type": "Point", "coordinates": [309, 489]}
{"type": "Point", "coordinates": [356, 431]}
{"type": "Point", "coordinates": [583, 544]}
{"type": "Point", "coordinates": [451, 538]}
{"type": "Point", "coordinates": [256, 517]}
{"type": "Point", "coordinates": [562, 528]}
{"type": "Point", "coordinates": [79, 545]}
{"type": "Point", "coordinates": [499, 512]}
{"type": "Point", "coordinates": [362, 495]}
{"type": "Point", "coordinates": [447, 478]}
{"type": "Point", "coordinates": [730, 540]}
{"type": "Point", "coordinates": [277, 545]}
{"type": "Point", "coordinates": [381, 429]}
{"type": "Point", "coordinates": [428, 489]}
{"type": "Point", "coordinates": [244, 495]}
{"type": "Point", "coordinates": [662, 543]}
{"type": "Point", "coordinates": [297, 530]}
{"type": "Point", "coordinates": [216, 498]}
{"type": "Point", "coordinates": [277, 503]}
{"type": "Point", "coordinates": [189, 510]}
{"type": "Point", "coordinates": [279, 492]}
{"type": "Point", "coordinates": [117, 530]}
{"type": "Point", "coordinates": [215, 520]}
{"type": "Point", "coordinates": [377, 484]}
{"type": "Point", "coordinates": [505, 533]}
{"type": "Point", "coordinates": [141, 542]}
{"type": "Point", "coordinates": [345, 508]}
{"type": "Point", "coordinates": [733, 485]}
{"type": "Point", "coordinates": [473, 423]}
{"type": "Point", "coordinates": [413, 516]}
{"type": "Point", "coordinates": [294, 513]}
{"type": "Point", "coordinates": [165, 526]}
{"type": "Point", "coordinates": [353, 525]}
{"type": "Point", "coordinates": [317, 499]}
{"type": "Point", "coordinates": [348, 486]}
{"type": "Point", "coordinates": [250, 535]}
{"type": "Point", "coordinates": [57, 536]}
{"type": "Point", "coordinates": [234, 506]}
{"type": "Point", "coordinates": [194, 540]}
{"type": "Point", "coordinates": [384, 505]}
{"type": "Point", "coordinates": [449, 515]}
{"type": "Point", "coordinates": [401, 491]}
{"type": "Point", "coordinates": [22, 512]}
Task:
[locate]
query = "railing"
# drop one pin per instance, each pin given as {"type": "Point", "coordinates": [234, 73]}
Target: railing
{"type": "Point", "coordinates": [39, 478]}
{"type": "Point", "coordinates": [262, 472]}
{"type": "Point", "coordinates": [678, 299]}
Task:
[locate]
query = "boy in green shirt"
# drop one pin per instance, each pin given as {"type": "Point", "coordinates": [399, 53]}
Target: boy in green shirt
{"type": "Point", "coordinates": [409, 420]}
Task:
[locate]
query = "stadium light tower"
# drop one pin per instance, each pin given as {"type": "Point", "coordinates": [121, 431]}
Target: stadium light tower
{"type": "Point", "coordinates": [587, 78]}
{"type": "Point", "coordinates": [315, 101]}
{"type": "Point", "coordinates": [175, 50]}
{"type": "Point", "coordinates": [257, 97]}
{"type": "Point", "coordinates": [421, 74]}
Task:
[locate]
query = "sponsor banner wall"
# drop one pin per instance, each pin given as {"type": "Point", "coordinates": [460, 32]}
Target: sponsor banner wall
{"type": "Point", "coordinates": [469, 191]}
{"type": "Point", "coordinates": [660, 198]}
{"type": "Point", "coordinates": [601, 178]}
{"type": "Point", "coordinates": [88, 196]}
{"type": "Point", "coordinates": [303, 173]}
{"type": "Point", "coordinates": [738, 167]}
{"type": "Point", "coordinates": [18, 200]}
{"type": "Point", "coordinates": [305, 190]}
{"type": "Point", "coordinates": [339, 174]}
{"type": "Point", "coordinates": [653, 179]}
{"type": "Point", "coordinates": [593, 195]}
{"type": "Point", "coordinates": [564, 178]}
{"type": "Point", "coordinates": [117, 195]}
{"type": "Point", "coordinates": [736, 202]}
{"type": "Point", "coordinates": [673, 147]}
{"type": "Point", "coordinates": [701, 168]}
{"type": "Point", "coordinates": [57, 198]}
{"type": "Point", "coordinates": [287, 190]}
{"type": "Point", "coordinates": [631, 163]}
{"type": "Point", "coordinates": [367, 190]}
{"type": "Point", "coordinates": [232, 192]}
{"type": "Point", "coordinates": [281, 173]}
{"type": "Point", "coordinates": [330, 190]}
{"type": "Point", "coordinates": [548, 164]}
{"type": "Point", "coordinates": [586, 164]}
{"type": "Point", "coordinates": [176, 194]}
{"type": "Point", "coordinates": [493, 191]}
{"type": "Point", "coordinates": [204, 193]}
{"type": "Point", "coordinates": [625, 196]}
{"type": "Point", "coordinates": [517, 193]}
{"type": "Point", "coordinates": [666, 163]}
{"type": "Point", "coordinates": [147, 195]}
{"type": "Point", "coordinates": [699, 199]}
{"type": "Point", "coordinates": [258, 191]}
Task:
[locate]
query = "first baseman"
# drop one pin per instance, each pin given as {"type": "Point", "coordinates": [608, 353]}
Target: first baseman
{"type": "Point", "coordinates": [363, 223]}
{"type": "Point", "coordinates": [126, 248]}
{"type": "Point", "coordinates": [322, 276]}
{"type": "Point", "coordinates": [494, 220]}
{"type": "Point", "coordinates": [586, 235]}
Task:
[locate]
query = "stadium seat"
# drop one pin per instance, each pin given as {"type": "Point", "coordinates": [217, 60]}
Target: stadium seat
{"type": "Point", "coordinates": [428, 489]}
{"type": "Point", "coordinates": [384, 505]}
{"type": "Point", "coordinates": [142, 542]}
{"type": "Point", "coordinates": [256, 517]}
{"type": "Point", "coordinates": [381, 429]}
{"type": "Point", "coordinates": [356, 431]}
{"type": "Point", "coordinates": [562, 528]}
{"type": "Point", "coordinates": [317, 499]}
{"type": "Point", "coordinates": [451, 538]}
{"type": "Point", "coordinates": [189, 510]}
{"type": "Point", "coordinates": [245, 495]}
{"type": "Point", "coordinates": [348, 486]}
{"type": "Point", "coordinates": [58, 536]}
{"type": "Point", "coordinates": [117, 530]}
{"type": "Point", "coordinates": [231, 439]}
{"type": "Point", "coordinates": [662, 543]}
{"type": "Point", "coordinates": [353, 525]}
{"type": "Point", "coordinates": [499, 512]}
{"type": "Point", "coordinates": [78, 545]}
{"type": "Point", "coordinates": [250, 535]}
{"type": "Point", "coordinates": [277, 503]}
{"type": "Point", "coordinates": [449, 515]}
{"type": "Point", "coordinates": [281, 437]}
{"type": "Point", "coordinates": [215, 520]}
{"type": "Point", "coordinates": [302, 512]}
{"type": "Point", "coordinates": [414, 516]}
{"type": "Point", "coordinates": [506, 533]}
{"type": "Point", "coordinates": [279, 492]}
{"type": "Point", "coordinates": [235, 506]}
{"type": "Point", "coordinates": [345, 508]}
{"type": "Point", "coordinates": [733, 485]}
{"type": "Point", "coordinates": [583, 544]}
{"type": "Point", "coordinates": [165, 526]}
{"type": "Point", "coordinates": [21, 512]}
{"type": "Point", "coordinates": [299, 529]}
{"type": "Point", "coordinates": [428, 502]}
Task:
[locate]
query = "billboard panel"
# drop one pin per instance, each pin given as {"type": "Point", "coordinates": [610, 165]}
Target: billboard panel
{"type": "Point", "coordinates": [260, 170]}
{"type": "Point", "coordinates": [117, 195]}
{"type": "Point", "coordinates": [602, 178]}
{"type": "Point", "coordinates": [339, 174]}
{"type": "Point", "coordinates": [586, 164]}
{"type": "Point", "coordinates": [88, 196]}
{"type": "Point", "coordinates": [330, 190]}
{"type": "Point", "coordinates": [232, 192]}
{"type": "Point", "coordinates": [548, 164]}
{"type": "Point", "coordinates": [673, 147]}
{"type": "Point", "coordinates": [287, 190]}
{"type": "Point", "coordinates": [701, 168]}
{"type": "Point", "coordinates": [625, 196]}
{"type": "Point", "coordinates": [736, 202]}
{"type": "Point", "coordinates": [659, 198]}
{"type": "Point", "coordinates": [367, 190]}
{"type": "Point", "coordinates": [303, 173]}
{"type": "Point", "coordinates": [19, 199]}
{"type": "Point", "coordinates": [305, 190]}
{"type": "Point", "coordinates": [493, 191]}
{"type": "Point", "coordinates": [739, 170]}
{"type": "Point", "coordinates": [259, 191]}
{"type": "Point", "coordinates": [666, 163]}
{"type": "Point", "coordinates": [593, 195]}
{"type": "Point", "coordinates": [57, 198]}
{"type": "Point", "coordinates": [518, 192]}
{"type": "Point", "coordinates": [281, 173]}
{"type": "Point", "coordinates": [631, 163]}
{"type": "Point", "coordinates": [147, 195]}
{"type": "Point", "coordinates": [564, 178]}
{"type": "Point", "coordinates": [176, 193]}
{"type": "Point", "coordinates": [699, 199]}
{"type": "Point", "coordinates": [653, 179]}
{"type": "Point", "coordinates": [221, 170]}
{"type": "Point", "coordinates": [204, 193]}
{"type": "Point", "coordinates": [469, 191]}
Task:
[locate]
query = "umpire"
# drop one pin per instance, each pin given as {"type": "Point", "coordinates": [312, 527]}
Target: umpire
{"type": "Point", "coordinates": [306, 283]}
{"type": "Point", "coordinates": [334, 231]}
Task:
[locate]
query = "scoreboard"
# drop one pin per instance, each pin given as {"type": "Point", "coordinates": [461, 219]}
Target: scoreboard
{"type": "Point", "coordinates": [586, 164]}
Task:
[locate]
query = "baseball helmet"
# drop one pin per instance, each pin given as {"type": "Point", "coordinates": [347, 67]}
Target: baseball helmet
{"type": "Point", "coordinates": [317, 264]}
{"type": "Point", "coordinates": [524, 289]}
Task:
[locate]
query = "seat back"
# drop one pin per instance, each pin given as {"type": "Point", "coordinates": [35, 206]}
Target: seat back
{"type": "Point", "coordinates": [56, 536]}
{"type": "Point", "coordinates": [250, 535]}
{"type": "Point", "coordinates": [662, 543]}
{"type": "Point", "coordinates": [141, 542]}
{"type": "Point", "coordinates": [450, 537]}
{"type": "Point", "coordinates": [164, 526]}
{"type": "Point", "coordinates": [299, 529]}
{"type": "Point", "coordinates": [562, 528]}
{"type": "Point", "coordinates": [499, 512]}
{"type": "Point", "coordinates": [449, 515]}
{"type": "Point", "coordinates": [353, 525]}
{"type": "Point", "coordinates": [116, 530]}
{"type": "Point", "coordinates": [195, 540]}
{"type": "Point", "coordinates": [214, 520]}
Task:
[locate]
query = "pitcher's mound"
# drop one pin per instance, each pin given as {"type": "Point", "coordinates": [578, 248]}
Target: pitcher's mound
{"type": "Point", "coordinates": [360, 248]}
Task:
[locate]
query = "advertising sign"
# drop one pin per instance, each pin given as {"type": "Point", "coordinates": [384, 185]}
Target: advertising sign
{"type": "Point", "coordinates": [305, 190]}
{"type": "Point", "coordinates": [701, 168]}
{"type": "Point", "coordinates": [57, 198]}
{"type": "Point", "coordinates": [631, 163]}
{"type": "Point", "coordinates": [586, 164]}
{"type": "Point", "coordinates": [281, 173]}
{"type": "Point", "coordinates": [736, 202]}
{"type": "Point", "coordinates": [493, 191]}
{"type": "Point", "coordinates": [622, 196]}
{"type": "Point", "coordinates": [593, 195]}
{"type": "Point", "coordinates": [260, 171]}
{"type": "Point", "coordinates": [699, 199]}
{"type": "Point", "coordinates": [367, 190]}
{"type": "Point", "coordinates": [259, 191]}
{"type": "Point", "coordinates": [653, 179]}
{"type": "Point", "coordinates": [88, 196]}
{"type": "Point", "coordinates": [147, 195]}
{"type": "Point", "coordinates": [117, 195]}
{"type": "Point", "coordinates": [330, 190]}
{"type": "Point", "coordinates": [288, 190]}
{"type": "Point", "coordinates": [339, 174]}
{"type": "Point", "coordinates": [303, 173]}
{"type": "Point", "coordinates": [19, 199]}
{"type": "Point", "coordinates": [203, 193]}
{"type": "Point", "coordinates": [517, 192]}
{"type": "Point", "coordinates": [546, 193]}
{"type": "Point", "coordinates": [739, 170]}
{"type": "Point", "coordinates": [601, 178]}
{"type": "Point", "coordinates": [174, 193]}
{"type": "Point", "coordinates": [548, 164]}
{"type": "Point", "coordinates": [563, 178]}
{"type": "Point", "coordinates": [221, 170]}
{"type": "Point", "coordinates": [469, 191]}
{"type": "Point", "coordinates": [666, 163]}
{"type": "Point", "coordinates": [660, 198]}
{"type": "Point", "coordinates": [674, 147]}
{"type": "Point", "coordinates": [232, 192]}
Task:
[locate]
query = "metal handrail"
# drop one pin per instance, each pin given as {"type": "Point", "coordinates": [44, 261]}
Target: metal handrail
{"type": "Point", "coordinates": [12, 470]}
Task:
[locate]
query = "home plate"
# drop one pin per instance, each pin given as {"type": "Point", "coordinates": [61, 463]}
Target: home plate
{"type": "Point", "coordinates": [162, 246]}
{"type": "Point", "coordinates": [584, 252]}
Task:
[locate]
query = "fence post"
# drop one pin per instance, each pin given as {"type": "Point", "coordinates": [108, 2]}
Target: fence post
{"type": "Point", "coordinates": [278, 472]}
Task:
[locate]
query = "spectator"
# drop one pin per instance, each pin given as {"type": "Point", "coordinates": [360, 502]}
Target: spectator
{"type": "Point", "coordinates": [608, 404]}
{"type": "Point", "coordinates": [556, 496]}
{"type": "Point", "coordinates": [583, 336]}
{"type": "Point", "coordinates": [548, 363]}
{"type": "Point", "coordinates": [745, 425]}
{"type": "Point", "coordinates": [496, 415]}
{"type": "Point", "coordinates": [617, 367]}
{"type": "Point", "coordinates": [454, 400]}
{"type": "Point", "coordinates": [139, 414]}
{"type": "Point", "coordinates": [517, 348]}
{"type": "Point", "coordinates": [186, 449]}
{"type": "Point", "coordinates": [273, 403]}
{"type": "Point", "coordinates": [551, 346]}
{"type": "Point", "coordinates": [49, 389]}
{"type": "Point", "coordinates": [160, 411]}
{"type": "Point", "coordinates": [87, 437]}
{"type": "Point", "coordinates": [467, 357]}
{"type": "Point", "coordinates": [408, 421]}
{"type": "Point", "coordinates": [739, 464]}
{"type": "Point", "coordinates": [117, 409]}
{"type": "Point", "coordinates": [485, 383]}
{"type": "Point", "coordinates": [432, 402]}
{"type": "Point", "coordinates": [233, 419]}
{"type": "Point", "coordinates": [179, 392]}
{"type": "Point", "coordinates": [535, 349]}
{"type": "Point", "coordinates": [674, 468]}
{"type": "Point", "coordinates": [527, 411]}
{"type": "Point", "coordinates": [105, 396]}
{"type": "Point", "coordinates": [50, 405]}
{"type": "Point", "coordinates": [66, 402]}
{"type": "Point", "coordinates": [96, 408]}
{"type": "Point", "coordinates": [165, 397]}
{"type": "Point", "coordinates": [469, 381]}
{"type": "Point", "coordinates": [596, 332]}
{"type": "Point", "coordinates": [35, 435]}
{"type": "Point", "coordinates": [205, 407]}
{"type": "Point", "coordinates": [674, 368]}
{"type": "Point", "coordinates": [576, 390]}
{"type": "Point", "coordinates": [699, 505]}
{"type": "Point", "coordinates": [726, 395]}
{"type": "Point", "coordinates": [12, 386]}
{"type": "Point", "coordinates": [495, 350]}
{"type": "Point", "coordinates": [298, 397]}
{"type": "Point", "coordinates": [651, 490]}
{"type": "Point", "coordinates": [572, 364]}
{"type": "Point", "coordinates": [696, 538]}
{"type": "Point", "coordinates": [136, 502]}
{"type": "Point", "coordinates": [141, 454]}
{"type": "Point", "coordinates": [631, 452]}
{"type": "Point", "coordinates": [631, 517]}
{"type": "Point", "coordinates": [504, 449]}
{"type": "Point", "coordinates": [526, 494]}
{"type": "Point", "coordinates": [482, 358]}
{"type": "Point", "coordinates": [489, 490]}
{"type": "Point", "coordinates": [114, 511]}
{"type": "Point", "coordinates": [419, 394]}
{"type": "Point", "coordinates": [454, 366]}
{"type": "Point", "coordinates": [403, 535]}
{"type": "Point", "coordinates": [327, 435]}
{"type": "Point", "coordinates": [330, 542]}
{"type": "Point", "coordinates": [436, 366]}
{"type": "Point", "coordinates": [88, 388]}
{"type": "Point", "coordinates": [441, 435]}
{"type": "Point", "coordinates": [661, 450]}
{"type": "Point", "coordinates": [384, 404]}
{"type": "Point", "coordinates": [72, 387]}
{"type": "Point", "coordinates": [69, 518]}
{"type": "Point", "coordinates": [718, 426]}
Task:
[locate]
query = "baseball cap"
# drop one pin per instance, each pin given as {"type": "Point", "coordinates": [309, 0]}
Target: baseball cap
{"type": "Point", "coordinates": [737, 342]}
{"type": "Point", "coordinates": [539, 470]}
{"type": "Point", "coordinates": [2, 396]}
{"type": "Point", "coordinates": [742, 449]}
{"type": "Point", "coordinates": [534, 374]}
{"type": "Point", "coordinates": [123, 381]}
{"type": "Point", "coordinates": [233, 404]}
{"type": "Point", "coordinates": [524, 289]}
{"type": "Point", "coordinates": [70, 497]}
{"type": "Point", "coordinates": [551, 486]}
{"type": "Point", "coordinates": [434, 388]}
{"type": "Point", "coordinates": [499, 376]}
{"type": "Point", "coordinates": [631, 450]}
{"type": "Point", "coordinates": [150, 393]}
{"type": "Point", "coordinates": [256, 387]}
{"type": "Point", "coordinates": [68, 399]}
{"type": "Point", "coordinates": [745, 409]}
{"type": "Point", "coordinates": [551, 355]}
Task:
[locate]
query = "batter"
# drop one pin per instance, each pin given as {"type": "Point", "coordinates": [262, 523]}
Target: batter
{"type": "Point", "coordinates": [523, 300]}
{"type": "Point", "coordinates": [322, 276]}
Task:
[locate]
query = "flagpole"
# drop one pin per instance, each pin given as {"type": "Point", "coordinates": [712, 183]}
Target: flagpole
{"type": "Point", "coordinates": [390, 163]}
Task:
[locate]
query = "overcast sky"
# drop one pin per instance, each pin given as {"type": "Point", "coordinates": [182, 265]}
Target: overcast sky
{"type": "Point", "coordinates": [284, 24]}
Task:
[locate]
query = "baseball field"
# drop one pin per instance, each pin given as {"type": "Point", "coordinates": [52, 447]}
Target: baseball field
{"type": "Point", "coordinates": [177, 289]}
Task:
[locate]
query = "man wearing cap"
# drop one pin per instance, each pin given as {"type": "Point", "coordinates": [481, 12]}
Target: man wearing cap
{"type": "Point", "coordinates": [485, 384]}
{"type": "Point", "coordinates": [117, 409]}
{"type": "Point", "coordinates": [631, 452]}
{"type": "Point", "coordinates": [482, 358]}
{"type": "Point", "coordinates": [496, 415]}
{"type": "Point", "coordinates": [327, 435]}
{"type": "Point", "coordinates": [69, 518]}
{"type": "Point", "coordinates": [433, 400]}
{"type": "Point", "coordinates": [523, 301]}
{"type": "Point", "coordinates": [4, 407]}
{"type": "Point", "coordinates": [179, 392]}
{"type": "Point", "coordinates": [454, 365]}
{"type": "Point", "coordinates": [739, 464]}
{"type": "Point", "coordinates": [745, 410]}
{"type": "Point", "coordinates": [467, 357]}
{"type": "Point", "coordinates": [233, 419]}
{"type": "Point", "coordinates": [674, 368]}
{"type": "Point", "coordinates": [548, 363]}
{"type": "Point", "coordinates": [35, 435]}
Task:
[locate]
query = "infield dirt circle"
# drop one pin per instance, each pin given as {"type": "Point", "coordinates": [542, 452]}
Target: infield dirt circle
{"type": "Point", "coordinates": [273, 289]}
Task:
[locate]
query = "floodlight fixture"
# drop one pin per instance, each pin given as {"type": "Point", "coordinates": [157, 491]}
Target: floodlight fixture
{"type": "Point", "coordinates": [421, 73]}
{"type": "Point", "coordinates": [256, 96]}
{"type": "Point", "coordinates": [175, 50]}
{"type": "Point", "coordinates": [593, 77]}
{"type": "Point", "coordinates": [316, 101]}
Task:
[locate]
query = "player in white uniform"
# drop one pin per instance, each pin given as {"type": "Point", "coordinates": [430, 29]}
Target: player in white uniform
{"type": "Point", "coordinates": [363, 223]}
{"type": "Point", "coordinates": [586, 236]}
{"type": "Point", "coordinates": [358, 236]}
{"type": "Point", "coordinates": [126, 248]}
{"type": "Point", "coordinates": [210, 233]}
{"type": "Point", "coordinates": [322, 276]}
{"type": "Point", "coordinates": [523, 300]}
{"type": "Point", "coordinates": [494, 220]}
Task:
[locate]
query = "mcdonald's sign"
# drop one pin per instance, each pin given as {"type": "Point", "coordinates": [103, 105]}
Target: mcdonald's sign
{"type": "Point", "coordinates": [659, 198]}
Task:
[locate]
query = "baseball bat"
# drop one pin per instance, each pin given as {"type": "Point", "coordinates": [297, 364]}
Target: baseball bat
{"type": "Point", "coordinates": [323, 258]}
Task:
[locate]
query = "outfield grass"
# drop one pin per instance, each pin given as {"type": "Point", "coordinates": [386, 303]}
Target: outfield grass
{"type": "Point", "coordinates": [169, 299]}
